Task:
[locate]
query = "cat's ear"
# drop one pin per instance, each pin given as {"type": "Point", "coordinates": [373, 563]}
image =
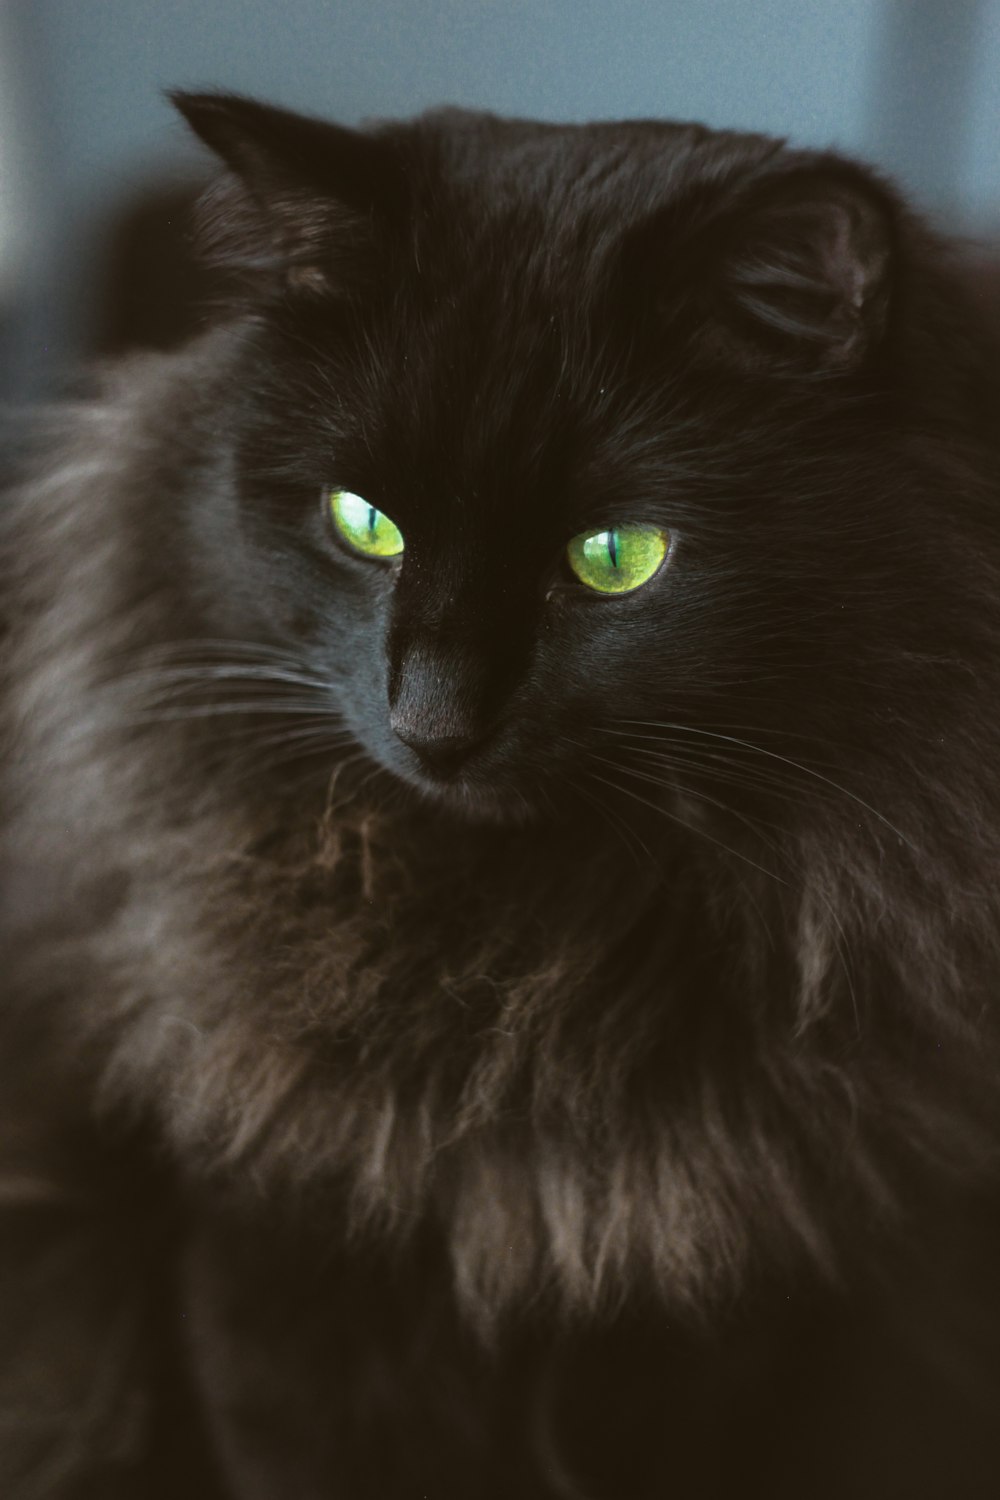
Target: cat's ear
{"type": "Point", "coordinates": [305, 200]}
{"type": "Point", "coordinates": [794, 275]}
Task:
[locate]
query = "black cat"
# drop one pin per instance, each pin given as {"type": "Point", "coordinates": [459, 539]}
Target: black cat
{"type": "Point", "coordinates": [501, 829]}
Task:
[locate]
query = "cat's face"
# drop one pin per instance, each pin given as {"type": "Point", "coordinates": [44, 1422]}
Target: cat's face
{"type": "Point", "coordinates": [526, 495]}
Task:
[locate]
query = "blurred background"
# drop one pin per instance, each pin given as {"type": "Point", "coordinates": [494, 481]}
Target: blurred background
{"type": "Point", "coordinates": [96, 172]}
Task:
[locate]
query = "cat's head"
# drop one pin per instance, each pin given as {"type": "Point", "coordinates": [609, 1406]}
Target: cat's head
{"type": "Point", "coordinates": [562, 452]}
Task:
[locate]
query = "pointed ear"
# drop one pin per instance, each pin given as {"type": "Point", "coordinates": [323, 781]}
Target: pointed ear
{"type": "Point", "coordinates": [788, 274]}
{"type": "Point", "coordinates": [801, 273]}
{"type": "Point", "coordinates": [305, 200]}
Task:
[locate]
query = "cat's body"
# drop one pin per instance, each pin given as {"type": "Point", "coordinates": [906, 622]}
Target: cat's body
{"type": "Point", "coordinates": [465, 1035]}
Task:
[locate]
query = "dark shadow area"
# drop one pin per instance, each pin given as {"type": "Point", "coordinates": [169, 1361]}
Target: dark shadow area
{"type": "Point", "coordinates": [152, 291]}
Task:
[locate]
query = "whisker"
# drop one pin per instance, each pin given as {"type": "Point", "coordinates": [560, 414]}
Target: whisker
{"type": "Point", "coordinates": [734, 747]}
{"type": "Point", "coordinates": [722, 768]}
{"type": "Point", "coordinates": [214, 710]}
{"type": "Point", "coordinates": [839, 942]}
{"type": "Point", "coordinates": [624, 832]}
{"type": "Point", "coordinates": [676, 786]}
{"type": "Point", "coordinates": [755, 826]}
{"type": "Point", "coordinates": [673, 818]}
{"type": "Point", "coordinates": [321, 736]}
{"type": "Point", "coordinates": [785, 760]}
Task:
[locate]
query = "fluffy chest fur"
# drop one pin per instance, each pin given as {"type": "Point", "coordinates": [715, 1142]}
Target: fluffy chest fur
{"type": "Point", "coordinates": [632, 1054]}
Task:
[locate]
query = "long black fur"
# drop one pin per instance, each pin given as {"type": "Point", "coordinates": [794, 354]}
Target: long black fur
{"type": "Point", "coordinates": [616, 1113]}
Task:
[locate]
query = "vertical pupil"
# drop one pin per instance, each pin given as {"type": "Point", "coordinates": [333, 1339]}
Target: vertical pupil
{"type": "Point", "coordinates": [372, 513]}
{"type": "Point", "coordinates": [613, 548]}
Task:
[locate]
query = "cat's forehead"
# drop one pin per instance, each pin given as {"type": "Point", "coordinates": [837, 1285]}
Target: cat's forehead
{"type": "Point", "coordinates": [515, 227]}
{"type": "Point", "coordinates": [579, 184]}
{"type": "Point", "coordinates": [549, 302]}
{"type": "Point", "coordinates": [609, 161]}
{"type": "Point", "coordinates": [494, 374]}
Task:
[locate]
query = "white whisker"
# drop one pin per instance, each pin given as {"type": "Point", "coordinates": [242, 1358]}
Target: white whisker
{"type": "Point", "coordinates": [785, 760]}
{"type": "Point", "coordinates": [673, 818]}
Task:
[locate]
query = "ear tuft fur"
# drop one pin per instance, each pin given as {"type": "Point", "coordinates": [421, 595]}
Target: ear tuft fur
{"type": "Point", "coordinates": [305, 200]}
{"type": "Point", "coordinates": [803, 273]}
{"type": "Point", "coordinates": [789, 274]}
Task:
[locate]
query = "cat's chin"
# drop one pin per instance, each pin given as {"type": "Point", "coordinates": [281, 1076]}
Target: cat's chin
{"type": "Point", "coordinates": [474, 802]}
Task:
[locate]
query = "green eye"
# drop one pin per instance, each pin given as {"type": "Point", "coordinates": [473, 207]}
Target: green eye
{"type": "Point", "coordinates": [619, 560]}
{"type": "Point", "coordinates": [367, 530]}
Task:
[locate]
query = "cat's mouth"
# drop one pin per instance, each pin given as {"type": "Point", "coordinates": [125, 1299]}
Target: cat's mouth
{"type": "Point", "coordinates": [468, 782]}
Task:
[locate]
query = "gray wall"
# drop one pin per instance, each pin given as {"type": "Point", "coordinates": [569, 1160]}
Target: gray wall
{"type": "Point", "coordinates": [911, 84]}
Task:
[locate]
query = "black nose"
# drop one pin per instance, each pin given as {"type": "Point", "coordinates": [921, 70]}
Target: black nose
{"type": "Point", "coordinates": [442, 754]}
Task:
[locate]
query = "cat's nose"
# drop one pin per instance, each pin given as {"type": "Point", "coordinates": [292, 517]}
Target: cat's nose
{"type": "Point", "coordinates": [441, 754]}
